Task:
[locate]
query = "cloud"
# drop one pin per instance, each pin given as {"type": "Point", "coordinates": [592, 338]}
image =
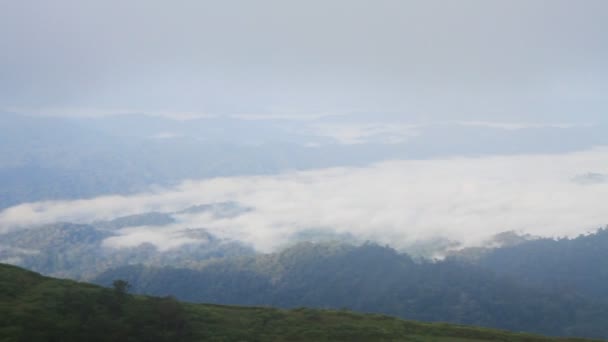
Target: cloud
{"type": "Point", "coordinates": [166, 135]}
{"type": "Point", "coordinates": [357, 133]}
{"type": "Point", "coordinates": [512, 126]}
{"type": "Point", "coordinates": [164, 238]}
{"type": "Point", "coordinates": [286, 114]}
{"type": "Point", "coordinates": [352, 133]}
{"type": "Point", "coordinates": [591, 178]}
{"type": "Point", "coordinates": [394, 202]}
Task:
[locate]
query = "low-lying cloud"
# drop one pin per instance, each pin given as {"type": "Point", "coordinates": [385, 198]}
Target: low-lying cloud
{"type": "Point", "coordinates": [396, 133]}
{"type": "Point", "coordinates": [164, 237]}
{"type": "Point", "coordinates": [351, 133]}
{"type": "Point", "coordinates": [394, 202]}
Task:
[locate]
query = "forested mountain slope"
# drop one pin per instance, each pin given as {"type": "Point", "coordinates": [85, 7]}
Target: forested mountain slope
{"type": "Point", "coordinates": [578, 265]}
{"type": "Point", "coordinates": [36, 308]}
{"type": "Point", "coordinates": [371, 278]}
{"type": "Point", "coordinates": [79, 251]}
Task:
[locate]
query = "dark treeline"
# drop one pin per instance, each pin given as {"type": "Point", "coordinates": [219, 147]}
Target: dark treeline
{"type": "Point", "coordinates": [372, 278]}
{"type": "Point", "coordinates": [35, 308]}
{"type": "Point", "coordinates": [578, 265]}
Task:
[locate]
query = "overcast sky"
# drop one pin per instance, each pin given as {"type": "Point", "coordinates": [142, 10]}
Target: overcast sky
{"type": "Point", "coordinates": [505, 61]}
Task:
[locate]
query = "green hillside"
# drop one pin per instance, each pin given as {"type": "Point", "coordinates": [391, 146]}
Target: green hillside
{"type": "Point", "coordinates": [374, 279]}
{"type": "Point", "coordinates": [37, 308]}
{"type": "Point", "coordinates": [579, 264]}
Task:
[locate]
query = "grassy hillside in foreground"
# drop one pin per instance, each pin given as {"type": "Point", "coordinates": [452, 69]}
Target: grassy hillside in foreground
{"type": "Point", "coordinates": [36, 308]}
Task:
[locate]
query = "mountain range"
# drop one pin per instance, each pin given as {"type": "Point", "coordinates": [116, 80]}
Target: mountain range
{"type": "Point", "coordinates": [35, 308]}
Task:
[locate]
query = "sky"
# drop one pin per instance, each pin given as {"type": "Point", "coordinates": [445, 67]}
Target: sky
{"type": "Point", "coordinates": [467, 117]}
{"type": "Point", "coordinates": [408, 61]}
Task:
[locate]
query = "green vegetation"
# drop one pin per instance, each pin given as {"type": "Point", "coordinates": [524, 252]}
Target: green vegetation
{"type": "Point", "coordinates": [77, 251]}
{"type": "Point", "coordinates": [578, 265]}
{"type": "Point", "coordinates": [36, 308]}
{"type": "Point", "coordinates": [544, 286]}
{"type": "Point", "coordinates": [375, 279]}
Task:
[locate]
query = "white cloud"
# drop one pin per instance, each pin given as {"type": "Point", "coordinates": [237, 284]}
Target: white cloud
{"type": "Point", "coordinates": [166, 135]}
{"type": "Point", "coordinates": [286, 114]}
{"type": "Point", "coordinates": [164, 238]}
{"type": "Point", "coordinates": [394, 202]}
{"type": "Point", "coordinates": [511, 126]}
{"type": "Point", "coordinates": [359, 133]}
{"type": "Point", "coordinates": [396, 133]}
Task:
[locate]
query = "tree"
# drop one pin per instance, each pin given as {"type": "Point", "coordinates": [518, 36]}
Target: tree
{"type": "Point", "coordinates": [121, 287]}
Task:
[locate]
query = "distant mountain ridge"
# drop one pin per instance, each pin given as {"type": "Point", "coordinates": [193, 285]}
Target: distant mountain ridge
{"type": "Point", "coordinates": [516, 282]}
{"type": "Point", "coordinates": [34, 308]}
{"type": "Point", "coordinates": [78, 251]}
{"type": "Point", "coordinates": [44, 158]}
{"type": "Point", "coordinates": [578, 265]}
{"type": "Point", "coordinates": [371, 278]}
